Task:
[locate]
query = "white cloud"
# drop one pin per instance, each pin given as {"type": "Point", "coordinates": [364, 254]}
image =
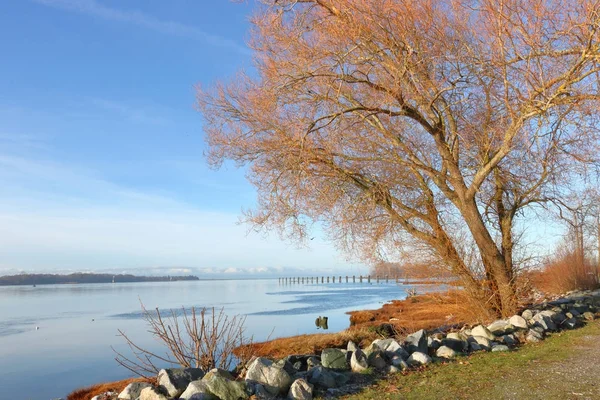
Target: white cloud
{"type": "Point", "coordinates": [94, 8]}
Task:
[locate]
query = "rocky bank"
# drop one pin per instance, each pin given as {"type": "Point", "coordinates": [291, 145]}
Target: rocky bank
{"type": "Point", "coordinates": [340, 371]}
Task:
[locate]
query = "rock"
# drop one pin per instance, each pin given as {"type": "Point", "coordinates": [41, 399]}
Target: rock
{"type": "Point", "coordinates": [106, 396]}
{"type": "Point", "coordinates": [399, 363]}
{"type": "Point", "coordinates": [133, 390]}
{"type": "Point", "coordinates": [544, 321]}
{"type": "Point", "coordinates": [271, 375]}
{"type": "Point", "coordinates": [456, 342]}
{"type": "Point", "coordinates": [334, 359]}
{"type": "Point", "coordinates": [500, 327]}
{"type": "Point", "coordinates": [445, 352]}
{"type": "Point", "coordinates": [392, 369]}
{"type": "Point", "coordinates": [509, 340]}
{"type": "Point", "coordinates": [474, 346]}
{"type": "Point", "coordinates": [418, 358]}
{"type": "Point", "coordinates": [534, 336]}
{"type": "Point", "coordinates": [390, 347]}
{"type": "Point", "coordinates": [351, 346]}
{"type": "Point", "coordinates": [377, 360]}
{"type": "Point", "coordinates": [151, 393]}
{"type": "Point", "coordinates": [518, 322]}
{"type": "Point", "coordinates": [482, 331]}
{"type": "Point", "coordinates": [500, 347]}
{"type": "Point", "coordinates": [326, 378]}
{"type": "Point", "coordinates": [434, 344]}
{"type": "Point", "coordinates": [571, 323]}
{"type": "Point", "coordinates": [300, 390]}
{"type": "Point", "coordinates": [197, 390]}
{"type": "Point", "coordinates": [220, 383]}
{"type": "Point", "coordinates": [312, 362]}
{"type": "Point", "coordinates": [527, 315]}
{"type": "Point", "coordinates": [359, 361]}
{"type": "Point", "coordinates": [483, 342]}
{"type": "Point", "coordinates": [174, 381]}
{"type": "Point", "coordinates": [417, 342]}
{"type": "Point", "coordinates": [588, 316]}
{"type": "Point", "coordinates": [558, 318]}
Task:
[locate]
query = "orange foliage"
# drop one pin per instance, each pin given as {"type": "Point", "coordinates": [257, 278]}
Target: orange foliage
{"type": "Point", "coordinates": [564, 273]}
{"type": "Point", "coordinates": [100, 388]}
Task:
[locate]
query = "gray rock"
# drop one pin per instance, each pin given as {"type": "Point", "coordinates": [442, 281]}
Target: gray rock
{"type": "Point", "coordinates": [534, 336]}
{"type": "Point", "coordinates": [377, 360]}
{"type": "Point", "coordinates": [271, 375]}
{"type": "Point", "coordinates": [221, 384]}
{"type": "Point", "coordinates": [527, 314]}
{"type": "Point", "coordinates": [434, 344]}
{"type": "Point", "coordinates": [106, 396]}
{"type": "Point", "coordinates": [500, 347]}
{"type": "Point", "coordinates": [300, 390]}
{"type": "Point", "coordinates": [482, 331]}
{"type": "Point", "coordinates": [571, 323]}
{"type": "Point", "coordinates": [445, 352]}
{"type": "Point", "coordinates": [389, 346]}
{"type": "Point", "coordinates": [474, 346]}
{"type": "Point", "coordinates": [588, 316]}
{"type": "Point", "coordinates": [197, 390]}
{"type": "Point", "coordinates": [351, 346]}
{"type": "Point", "coordinates": [544, 321]}
{"type": "Point", "coordinates": [418, 358]}
{"type": "Point", "coordinates": [326, 378]}
{"type": "Point", "coordinates": [456, 342]}
{"type": "Point", "coordinates": [260, 393]}
{"type": "Point", "coordinates": [392, 369]}
{"type": "Point", "coordinates": [359, 361]}
{"type": "Point", "coordinates": [312, 362]}
{"type": "Point", "coordinates": [174, 381]}
{"type": "Point", "coordinates": [334, 359]}
{"type": "Point", "coordinates": [509, 340]}
{"type": "Point", "coordinates": [483, 342]}
{"type": "Point", "coordinates": [399, 363]}
{"type": "Point", "coordinates": [133, 390]}
{"type": "Point", "coordinates": [500, 327]}
{"type": "Point", "coordinates": [151, 393]}
{"type": "Point", "coordinates": [518, 322]}
{"type": "Point", "coordinates": [417, 342]}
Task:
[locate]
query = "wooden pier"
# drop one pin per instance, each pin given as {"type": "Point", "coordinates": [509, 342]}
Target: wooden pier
{"type": "Point", "coordinates": [337, 279]}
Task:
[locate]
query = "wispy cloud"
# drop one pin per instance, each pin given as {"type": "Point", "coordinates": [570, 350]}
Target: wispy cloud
{"type": "Point", "coordinates": [133, 114]}
{"type": "Point", "coordinates": [94, 8]}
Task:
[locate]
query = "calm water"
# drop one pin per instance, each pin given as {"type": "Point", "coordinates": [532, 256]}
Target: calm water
{"type": "Point", "coordinates": [78, 323]}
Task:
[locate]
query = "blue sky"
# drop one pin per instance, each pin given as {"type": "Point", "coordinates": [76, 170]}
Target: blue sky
{"type": "Point", "coordinates": [101, 163]}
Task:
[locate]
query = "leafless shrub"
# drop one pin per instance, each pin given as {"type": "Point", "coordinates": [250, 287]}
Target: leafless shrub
{"type": "Point", "coordinates": [194, 338]}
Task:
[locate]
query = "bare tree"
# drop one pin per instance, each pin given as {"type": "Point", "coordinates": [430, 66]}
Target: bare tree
{"type": "Point", "coordinates": [408, 124]}
{"type": "Point", "coordinates": [193, 339]}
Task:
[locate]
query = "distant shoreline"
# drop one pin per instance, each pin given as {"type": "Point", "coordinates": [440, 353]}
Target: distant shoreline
{"type": "Point", "coordinates": [82, 278]}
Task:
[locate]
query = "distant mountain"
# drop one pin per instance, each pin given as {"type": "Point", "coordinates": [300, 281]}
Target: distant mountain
{"type": "Point", "coordinates": [51, 279]}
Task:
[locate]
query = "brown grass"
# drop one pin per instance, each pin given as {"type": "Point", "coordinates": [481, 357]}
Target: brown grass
{"type": "Point", "coordinates": [94, 390]}
{"type": "Point", "coordinates": [420, 312]}
{"type": "Point", "coordinates": [565, 273]}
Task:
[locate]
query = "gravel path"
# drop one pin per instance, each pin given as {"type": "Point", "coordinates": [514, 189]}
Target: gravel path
{"type": "Point", "coordinates": [577, 377]}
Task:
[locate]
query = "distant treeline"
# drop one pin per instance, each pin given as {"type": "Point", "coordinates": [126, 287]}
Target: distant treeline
{"type": "Point", "coordinates": [50, 279]}
{"type": "Point", "coordinates": [410, 270]}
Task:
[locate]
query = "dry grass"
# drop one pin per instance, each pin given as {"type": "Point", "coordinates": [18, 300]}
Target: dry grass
{"type": "Point", "coordinates": [565, 273]}
{"type": "Point", "coordinates": [100, 388]}
{"type": "Point", "coordinates": [420, 312]}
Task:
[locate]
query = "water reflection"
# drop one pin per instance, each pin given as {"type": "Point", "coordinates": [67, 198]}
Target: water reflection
{"type": "Point", "coordinates": [321, 322]}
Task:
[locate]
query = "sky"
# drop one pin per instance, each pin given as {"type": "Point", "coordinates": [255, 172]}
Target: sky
{"type": "Point", "coordinates": [101, 147]}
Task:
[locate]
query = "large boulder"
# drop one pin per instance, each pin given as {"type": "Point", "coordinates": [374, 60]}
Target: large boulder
{"type": "Point", "coordinates": [151, 393]}
{"type": "Point", "coordinates": [445, 352]}
{"type": "Point", "coordinates": [133, 390]}
{"type": "Point", "coordinates": [456, 341]}
{"type": "Point", "coordinates": [351, 346]}
{"type": "Point", "coordinates": [482, 331]}
{"type": "Point", "coordinates": [527, 314]}
{"type": "Point", "coordinates": [174, 381]}
{"type": "Point", "coordinates": [271, 375]}
{"type": "Point", "coordinates": [483, 342]}
{"type": "Point", "coordinates": [377, 360]}
{"type": "Point", "coordinates": [534, 336]}
{"type": "Point", "coordinates": [300, 390]}
{"type": "Point", "coordinates": [221, 384]}
{"type": "Point", "coordinates": [500, 327]}
{"type": "Point", "coordinates": [334, 359]}
{"type": "Point", "coordinates": [391, 348]}
{"type": "Point", "coordinates": [359, 361]}
{"type": "Point", "coordinates": [418, 358]}
{"type": "Point", "coordinates": [544, 321]}
{"type": "Point", "coordinates": [417, 342]}
{"type": "Point", "coordinates": [518, 322]}
{"type": "Point", "coordinates": [197, 390]}
{"type": "Point", "coordinates": [326, 378]}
